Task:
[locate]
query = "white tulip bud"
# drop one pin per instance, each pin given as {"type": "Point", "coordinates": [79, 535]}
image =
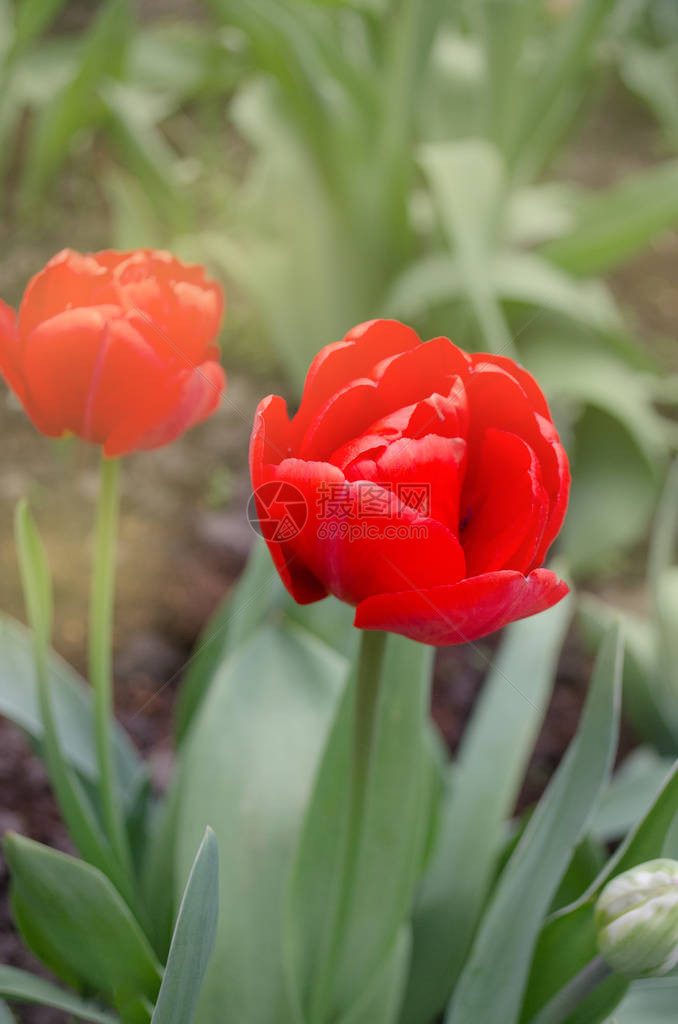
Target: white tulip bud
{"type": "Point", "coordinates": [637, 920]}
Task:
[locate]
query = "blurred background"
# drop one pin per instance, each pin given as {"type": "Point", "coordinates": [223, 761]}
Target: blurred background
{"type": "Point", "coordinates": [504, 172]}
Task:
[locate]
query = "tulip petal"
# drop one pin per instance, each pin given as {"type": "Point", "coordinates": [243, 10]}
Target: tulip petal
{"type": "Point", "coordinates": [10, 350]}
{"type": "Point", "coordinates": [427, 470]}
{"type": "Point", "coordinates": [186, 400]}
{"type": "Point", "coordinates": [67, 281]}
{"type": "Point", "coordinates": [269, 446]}
{"type": "Point", "coordinates": [180, 305]}
{"type": "Point", "coordinates": [556, 475]}
{"type": "Point", "coordinates": [346, 414]}
{"type": "Point", "coordinates": [524, 378]}
{"type": "Point", "coordinates": [359, 538]}
{"type": "Point", "coordinates": [337, 365]}
{"type": "Point", "coordinates": [269, 443]}
{"type": "Point", "coordinates": [497, 399]}
{"type": "Point", "coordinates": [504, 511]}
{"type": "Point", "coordinates": [465, 611]}
{"type": "Point", "coordinates": [59, 362]}
{"type": "Point", "coordinates": [410, 377]}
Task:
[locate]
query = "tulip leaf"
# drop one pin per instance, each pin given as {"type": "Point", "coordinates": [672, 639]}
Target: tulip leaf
{"type": "Point", "coordinates": [257, 591]}
{"type": "Point", "coordinates": [380, 1003]}
{"type": "Point", "coordinates": [36, 579]}
{"type": "Point", "coordinates": [526, 277]}
{"type": "Point", "coordinates": [432, 281]}
{"type": "Point", "coordinates": [467, 180]}
{"type": "Point", "coordinates": [566, 54]}
{"type": "Point", "coordinates": [72, 706]}
{"type": "Point", "coordinates": [6, 1016]}
{"type": "Point", "coordinates": [144, 149]}
{"type": "Point", "coordinates": [331, 620]}
{"type": "Point", "coordinates": [337, 942]}
{"type": "Point", "coordinates": [664, 541]}
{"type": "Point", "coordinates": [648, 1002]}
{"type": "Point", "coordinates": [193, 939]}
{"type": "Point", "coordinates": [652, 73]}
{"type": "Point", "coordinates": [653, 716]}
{"type": "Point", "coordinates": [75, 920]}
{"type": "Point", "coordinates": [246, 771]}
{"type": "Point", "coordinates": [28, 988]}
{"type": "Point", "coordinates": [610, 472]}
{"type": "Point", "coordinates": [32, 17]}
{"type": "Point", "coordinates": [631, 793]}
{"type": "Point", "coordinates": [76, 105]}
{"type": "Point", "coordinates": [157, 874]}
{"type": "Point", "coordinates": [611, 227]}
{"type": "Point", "coordinates": [258, 597]}
{"type": "Point", "coordinates": [568, 939]}
{"type": "Point", "coordinates": [492, 984]}
{"type": "Point", "coordinates": [485, 784]}
{"type": "Point", "coordinates": [574, 368]}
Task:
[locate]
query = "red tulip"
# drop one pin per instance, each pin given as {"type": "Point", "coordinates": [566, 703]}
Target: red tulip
{"type": "Point", "coordinates": [116, 348]}
{"type": "Point", "coordinates": [432, 483]}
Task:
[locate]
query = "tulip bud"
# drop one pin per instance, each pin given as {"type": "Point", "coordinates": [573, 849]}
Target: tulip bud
{"type": "Point", "coordinates": [637, 920]}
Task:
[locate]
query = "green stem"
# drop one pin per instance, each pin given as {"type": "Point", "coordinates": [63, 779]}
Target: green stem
{"type": "Point", "coordinates": [100, 655]}
{"type": "Point", "coordinates": [368, 689]}
{"type": "Point", "coordinates": [75, 807]}
{"type": "Point", "coordinates": [574, 993]}
{"type": "Point", "coordinates": [368, 681]}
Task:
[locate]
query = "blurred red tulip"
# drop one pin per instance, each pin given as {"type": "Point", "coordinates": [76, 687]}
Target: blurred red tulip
{"type": "Point", "coordinates": [118, 348]}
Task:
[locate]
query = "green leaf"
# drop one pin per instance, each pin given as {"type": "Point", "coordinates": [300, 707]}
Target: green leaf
{"type": "Point", "coordinates": [76, 809]}
{"type": "Point", "coordinates": [432, 281]}
{"type": "Point", "coordinates": [667, 625]}
{"type": "Point", "coordinates": [614, 225]}
{"type": "Point", "coordinates": [649, 1002]}
{"type": "Point", "coordinates": [526, 277]}
{"type": "Point", "coordinates": [76, 913]}
{"type": "Point", "coordinates": [246, 771]}
{"type": "Point", "coordinates": [568, 939]}
{"type": "Point", "coordinates": [331, 620]}
{"type": "Point", "coordinates": [258, 590]}
{"type": "Point", "coordinates": [573, 367]}
{"type": "Point", "coordinates": [32, 17]}
{"type": "Point", "coordinates": [484, 787]}
{"type": "Point", "coordinates": [664, 541]}
{"type": "Point", "coordinates": [588, 859]}
{"type": "Point", "coordinates": [508, 30]}
{"type": "Point", "coordinates": [513, 276]}
{"type": "Point", "coordinates": [653, 716]}
{"type": "Point", "coordinates": [134, 221]}
{"type": "Point", "coordinates": [72, 707]}
{"type": "Point", "coordinates": [631, 793]}
{"type": "Point", "coordinates": [193, 939]}
{"type": "Point", "coordinates": [610, 473]}
{"type": "Point", "coordinates": [653, 75]}
{"type": "Point", "coordinates": [77, 106]}
{"type": "Point", "coordinates": [35, 576]}
{"type": "Point", "coordinates": [182, 60]}
{"type": "Point", "coordinates": [6, 1016]}
{"type": "Point", "coordinates": [380, 1003]}
{"type": "Point", "coordinates": [335, 948]}
{"type": "Point", "coordinates": [492, 984]}
{"type": "Point", "coordinates": [539, 213]}
{"type": "Point", "coordinates": [563, 60]}
{"type": "Point", "coordinates": [143, 149]}
{"type": "Point", "coordinates": [27, 988]}
{"type": "Point", "coordinates": [157, 874]}
{"type": "Point", "coordinates": [467, 182]}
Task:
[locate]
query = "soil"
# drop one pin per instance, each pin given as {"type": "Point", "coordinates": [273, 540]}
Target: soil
{"type": "Point", "coordinates": [184, 538]}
